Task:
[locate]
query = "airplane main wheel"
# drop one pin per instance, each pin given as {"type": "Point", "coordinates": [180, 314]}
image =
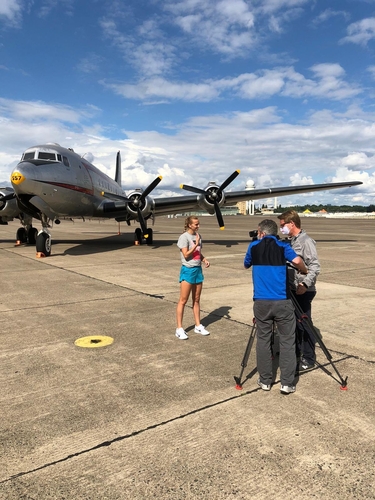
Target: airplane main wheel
{"type": "Point", "coordinates": [138, 237]}
{"type": "Point", "coordinates": [149, 238]}
{"type": "Point", "coordinates": [43, 244]}
{"type": "Point", "coordinates": [21, 235]}
{"type": "Point", "coordinates": [32, 235]}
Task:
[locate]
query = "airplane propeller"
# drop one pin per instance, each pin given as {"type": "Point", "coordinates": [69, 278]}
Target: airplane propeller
{"type": "Point", "coordinates": [138, 203]}
{"type": "Point", "coordinates": [7, 197]}
{"type": "Point", "coordinates": [213, 194]}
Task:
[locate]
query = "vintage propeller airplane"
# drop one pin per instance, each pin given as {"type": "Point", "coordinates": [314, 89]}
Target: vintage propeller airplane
{"type": "Point", "coordinates": [51, 183]}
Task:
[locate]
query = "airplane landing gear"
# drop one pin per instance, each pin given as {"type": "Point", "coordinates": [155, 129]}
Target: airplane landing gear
{"type": "Point", "coordinates": [26, 234]}
{"type": "Point", "coordinates": [21, 236]}
{"type": "Point", "coordinates": [32, 234]}
{"type": "Point", "coordinates": [43, 244]}
{"type": "Point", "coordinates": [43, 239]}
{"type": "Point", "coordinates": [149, 238]}
{"type": "Point", "coordinates": [140, 238]}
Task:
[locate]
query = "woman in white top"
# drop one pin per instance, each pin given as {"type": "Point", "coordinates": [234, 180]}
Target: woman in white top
{"type": "Point", "coordinates": [191, 276]}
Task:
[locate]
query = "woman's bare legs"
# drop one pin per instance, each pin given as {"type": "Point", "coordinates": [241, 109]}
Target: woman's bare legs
{"type": "Point", "coordinates": [196, 297]}
{"type": "Point", "coordinates": [185, 289]}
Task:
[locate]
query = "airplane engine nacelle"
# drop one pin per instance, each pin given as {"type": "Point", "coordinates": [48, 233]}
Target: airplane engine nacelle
{"type": "Point", "coordinates": [212, 193]}
{"type": "Point", "coordinates": [137, 202]}
{"type": "Point", "coordinates": [8, 208]}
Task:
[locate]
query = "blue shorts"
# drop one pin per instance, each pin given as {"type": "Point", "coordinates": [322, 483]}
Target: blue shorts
{"type": "Point", "coordinates": [192, 275]}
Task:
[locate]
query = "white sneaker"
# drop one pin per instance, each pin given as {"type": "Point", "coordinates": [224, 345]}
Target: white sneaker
{"type": "Point", "coordinates": [181, 334]}
{"type": "Point", "coordinates": [201, 329]}
{"type": "Point", "coordinates": [287, 389]}
{"type": "Point", "coordinates": [264, 387]}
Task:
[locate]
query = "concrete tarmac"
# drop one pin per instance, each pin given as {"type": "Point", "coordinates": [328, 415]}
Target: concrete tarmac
{"type": "Point", "coordinates": [151, 416]}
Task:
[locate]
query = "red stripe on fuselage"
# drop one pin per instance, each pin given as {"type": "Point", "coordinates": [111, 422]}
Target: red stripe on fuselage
{"type": "Point", "coordinates": [72, 187]}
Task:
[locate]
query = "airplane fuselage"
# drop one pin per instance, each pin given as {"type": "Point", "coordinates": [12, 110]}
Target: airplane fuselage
{"type": "Point", "coordinates": [60, 183]}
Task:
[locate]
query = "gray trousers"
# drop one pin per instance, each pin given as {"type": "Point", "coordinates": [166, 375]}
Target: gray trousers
{"type": "Point", "coordinates": [282, 312]}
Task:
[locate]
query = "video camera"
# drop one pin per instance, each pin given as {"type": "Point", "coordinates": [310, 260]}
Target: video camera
{"type": "Point", "coordinates": [253, 235]}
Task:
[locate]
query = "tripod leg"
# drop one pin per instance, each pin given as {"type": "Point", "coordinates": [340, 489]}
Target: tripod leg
{"type": "Point", "coordinates": [246, 355]}
{"type": "Point", "coordinates": [310, 328]}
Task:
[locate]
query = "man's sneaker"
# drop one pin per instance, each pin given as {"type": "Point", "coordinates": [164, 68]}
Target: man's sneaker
{"type": "Point", "coordinates": [264, 387]}
{"type": "Point", "coordinates": [287, 389]}
{"type": "Point", "coordinates": [201, 329]}
{"type": "Point", "coordinates": [305, 365]}
{"type": "Point", "coordinates": [181, 334]}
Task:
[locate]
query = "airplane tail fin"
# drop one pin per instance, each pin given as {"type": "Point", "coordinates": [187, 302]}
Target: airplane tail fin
{"type": "Point", "coordinates": [118, 169]}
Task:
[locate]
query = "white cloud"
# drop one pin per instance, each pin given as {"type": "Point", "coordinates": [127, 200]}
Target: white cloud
{"type": "Point", "coordinates": [328, 14]}
{"type": "Point", "coordinates": [161, 88]}
{"type": "Point", "coordinates": [38, 110]}
{"type": "Point", "coordinates": [299, 180]}
{"type": "Point", "coordinates": [89, 64]}
{"type": "Point", "coordinates": [327, 83]}
{"type": "Point", "coordinates": [344, 174]}
{"type": "Point", "coordinates": [271, 6]}
{"type": "Point", "coordinates": [148, 52]}
{"type": "Point", "coordinates": [224, 27]}
{"type": "Point", "coordinates": [10, 10]}
{"type": "Point", "coordinates": [205, 148]}
{"type": "Point", "coordinates": [360, 32]}
{"type": "Point", "coordinates": [48, 5]}
{"type": "Point", "coordinates": [358, 161]}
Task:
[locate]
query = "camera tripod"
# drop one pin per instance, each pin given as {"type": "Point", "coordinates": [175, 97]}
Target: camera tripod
{"type": "Point", "coordinates": [304, 320]}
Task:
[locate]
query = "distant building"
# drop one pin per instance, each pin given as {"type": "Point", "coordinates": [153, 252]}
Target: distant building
{"type": "Point", "coordinates": [247, 207]}
{"type": "Point", "coordinates": [229, 210]}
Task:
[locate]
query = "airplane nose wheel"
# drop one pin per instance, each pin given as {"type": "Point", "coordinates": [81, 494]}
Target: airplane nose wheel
{"type": "Point", "coordinates": [43, 244]}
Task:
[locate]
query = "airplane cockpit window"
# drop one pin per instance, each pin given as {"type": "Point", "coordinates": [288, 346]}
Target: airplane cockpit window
{"type": "Point", "coordinates": [28, 156]}
{"type": "Point", "coordinates": [66, 161]}
{"type": "Point", "coordinates": [47, 156]}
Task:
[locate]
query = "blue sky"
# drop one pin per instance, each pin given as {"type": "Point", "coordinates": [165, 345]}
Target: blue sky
{"type": "Point", "coordinates": [281, 89]}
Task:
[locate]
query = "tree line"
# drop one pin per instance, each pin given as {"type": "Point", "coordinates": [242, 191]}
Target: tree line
{"type": "Point", "coordinates": [328, 208]}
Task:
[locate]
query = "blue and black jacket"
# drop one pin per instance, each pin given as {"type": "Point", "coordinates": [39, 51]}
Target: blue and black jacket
{"type": "Point", "coordinates": [269, 257]}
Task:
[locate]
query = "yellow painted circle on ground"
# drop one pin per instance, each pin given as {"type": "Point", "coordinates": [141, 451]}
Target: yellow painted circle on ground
{"type": "Point", "coordinates": [94, 341]}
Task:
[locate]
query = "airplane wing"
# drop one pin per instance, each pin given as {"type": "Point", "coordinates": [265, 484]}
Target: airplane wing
{"type": "Point", "coordinates": [210, 199]}
{"type": "Point", "coordinates": [213, 197]}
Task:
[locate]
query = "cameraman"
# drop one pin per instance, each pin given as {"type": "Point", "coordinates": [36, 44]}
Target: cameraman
{"type": "Point", "coordinates": [303, 287]}
{"type": "Point", "coordinates": [268, 256]}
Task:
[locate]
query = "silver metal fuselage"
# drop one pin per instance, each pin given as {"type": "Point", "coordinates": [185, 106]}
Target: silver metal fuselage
{"type": "Point", "coordinates": [71, 187]}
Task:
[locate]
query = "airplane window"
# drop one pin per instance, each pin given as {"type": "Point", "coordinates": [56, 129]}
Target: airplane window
{"type": "Point", "coordinates": [66, 161]}
{"type": "Point", "coordinates": [59, 158]}
{"type": "Point", "coordinates": [47, 156]}
{"type": "Point", "coordinates": [28, 156]}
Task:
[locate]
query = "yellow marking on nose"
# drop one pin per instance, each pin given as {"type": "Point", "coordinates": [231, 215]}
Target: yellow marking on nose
{"type": "Point", "coordinates": [17, 178]}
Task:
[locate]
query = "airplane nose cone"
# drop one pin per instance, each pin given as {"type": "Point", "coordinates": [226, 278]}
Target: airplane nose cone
{"type": "Point", "coordinates": [17, 177]}
{"type": "Point", "coordinates": [20, 176]}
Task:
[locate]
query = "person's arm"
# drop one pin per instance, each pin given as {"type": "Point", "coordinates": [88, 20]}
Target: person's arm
{"type": "Point", "coordinates": [310, 257]}
{"type": "Point", "coordinates": [248, 261]}
{"type": "Point", "coordinates": [205, 261]}
{"type": "Point", "coordinates": [186, 252]}
{"type": "Point", "coordinates": [300, 265]}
